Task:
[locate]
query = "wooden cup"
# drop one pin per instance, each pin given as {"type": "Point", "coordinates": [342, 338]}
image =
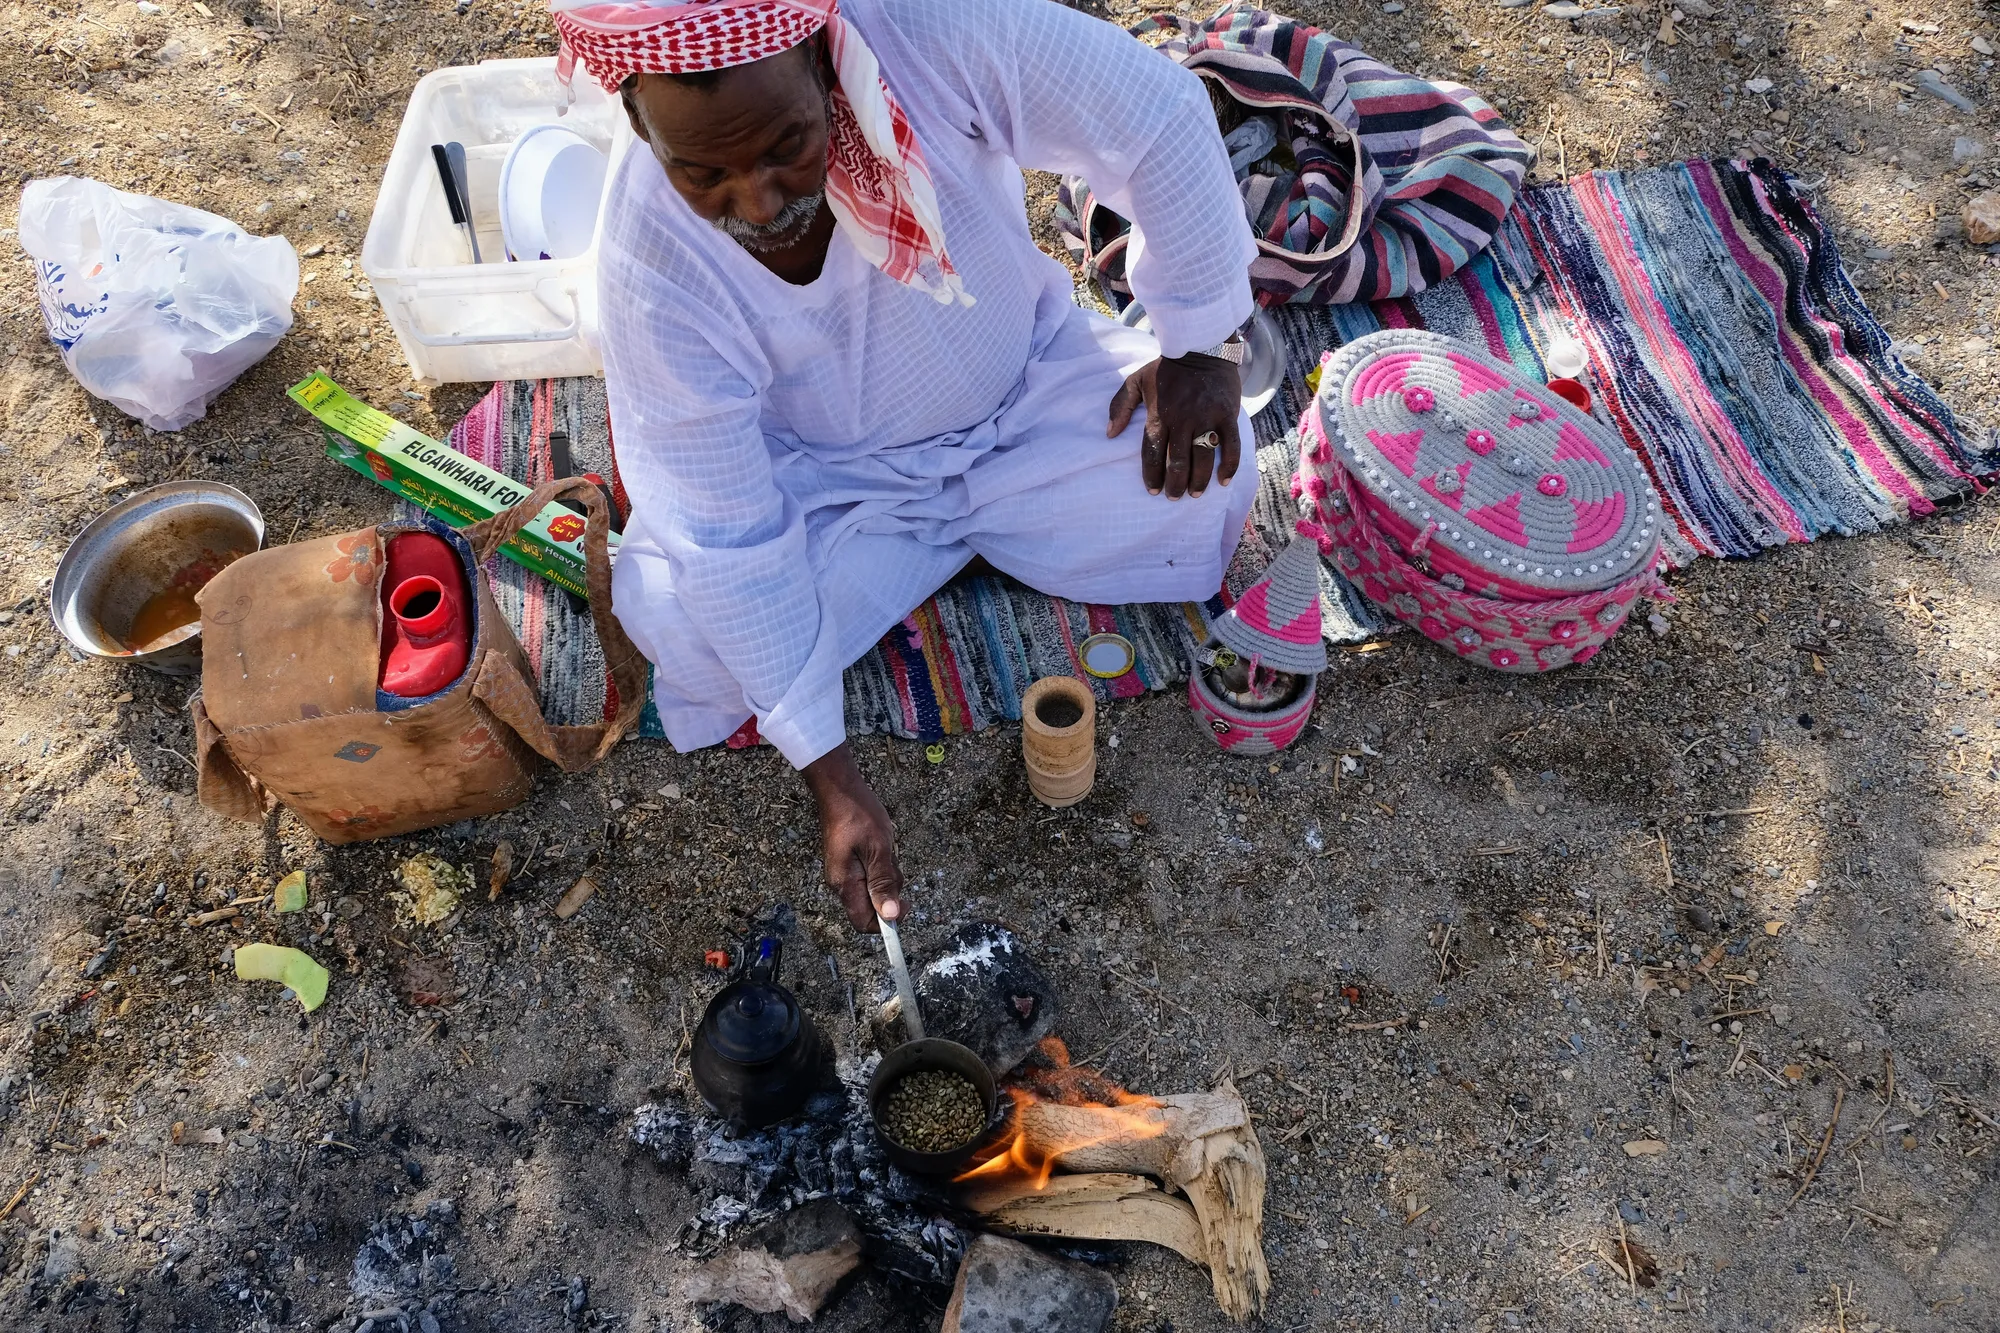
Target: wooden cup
{"type": "Point", "coordinates": [1061, 759]}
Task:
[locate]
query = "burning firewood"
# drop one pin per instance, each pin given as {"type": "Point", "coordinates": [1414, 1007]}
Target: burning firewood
{"type": "Point", "coordinates": [1200, 1144]}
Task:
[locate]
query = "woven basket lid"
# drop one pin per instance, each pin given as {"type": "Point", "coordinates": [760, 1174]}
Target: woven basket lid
{"type": "Point", "coordinates": [1276, 621]}
{"type": "Point", "coordinates": [1528, 496]}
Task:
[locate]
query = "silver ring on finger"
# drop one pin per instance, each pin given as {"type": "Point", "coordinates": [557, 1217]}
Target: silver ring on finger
{"type": "Point", "coordinates": [1208, 439]}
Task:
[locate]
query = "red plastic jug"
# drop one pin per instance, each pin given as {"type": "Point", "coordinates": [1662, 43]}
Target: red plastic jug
{"type": "Point", "coordinates": [426, 616]}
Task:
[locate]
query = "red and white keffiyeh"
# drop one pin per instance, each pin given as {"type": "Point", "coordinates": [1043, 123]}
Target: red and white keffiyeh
{"type": "Point", "coordinates": [877, 182]}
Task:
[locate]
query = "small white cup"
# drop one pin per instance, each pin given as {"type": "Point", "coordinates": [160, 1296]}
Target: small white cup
{"type": "Point", "coordinates": [1566, 359]}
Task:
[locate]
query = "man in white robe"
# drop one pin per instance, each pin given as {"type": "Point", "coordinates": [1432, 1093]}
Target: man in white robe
{"type": "Point", "coordinates": [840, 368]}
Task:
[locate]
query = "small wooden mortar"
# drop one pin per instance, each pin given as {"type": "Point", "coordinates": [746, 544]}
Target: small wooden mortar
{"type": "Point", "coordinates": [1062, 760]}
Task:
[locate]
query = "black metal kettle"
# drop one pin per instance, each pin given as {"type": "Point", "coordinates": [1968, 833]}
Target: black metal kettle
{"type": "Point", "coordinates": [756, 1055]}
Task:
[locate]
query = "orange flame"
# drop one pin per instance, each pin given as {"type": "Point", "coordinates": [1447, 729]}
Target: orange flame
{"type": "Point", "coordinates": [1050, 1077]}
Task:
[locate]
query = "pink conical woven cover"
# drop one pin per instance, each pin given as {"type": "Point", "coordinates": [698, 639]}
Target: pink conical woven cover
{"type": "Point", "coordinates": [1276, 620]}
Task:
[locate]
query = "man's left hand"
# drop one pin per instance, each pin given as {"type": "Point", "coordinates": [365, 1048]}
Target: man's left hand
{"type": "Point", "coordinates": [1192, 403]}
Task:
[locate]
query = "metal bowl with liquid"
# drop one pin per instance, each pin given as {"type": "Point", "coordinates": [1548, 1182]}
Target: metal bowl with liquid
{"type": "Point", "coordinates": [125, 587]}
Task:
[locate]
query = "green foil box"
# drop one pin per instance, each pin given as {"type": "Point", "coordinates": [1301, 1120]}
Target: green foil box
{"type": "Point", "coordinates": [443, 481]}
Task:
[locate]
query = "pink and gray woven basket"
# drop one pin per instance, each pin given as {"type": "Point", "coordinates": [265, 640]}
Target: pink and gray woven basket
{"type": "Point", "coordinates": [1274, 626]}
{"type": "Point", "coordinates": [1475, 504]}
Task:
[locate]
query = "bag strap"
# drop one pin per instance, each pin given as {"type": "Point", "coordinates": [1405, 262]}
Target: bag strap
{"type": "Point", "coordinates": [499, 684]}
{"type": "Point", "coordinates": [1250, 80]}
{"type": "Point", "coordinates": [1083, 221]}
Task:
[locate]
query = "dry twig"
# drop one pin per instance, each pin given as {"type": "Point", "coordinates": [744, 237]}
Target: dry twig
{"type": "Point", "coordinates": [1826, 1141]}
{"type": "Point", "coordinates": [1971, 1110]}
{"type": "Point", "coordinates": [19, 1195]}
{"type": "Point", "coordinates": [1630, 1268]}
{"type": "Point", "coordinates": [1134, 981]}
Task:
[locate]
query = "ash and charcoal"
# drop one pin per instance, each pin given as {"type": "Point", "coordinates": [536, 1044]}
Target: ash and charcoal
{"type": "Point", "coordinates": [404, 1278]}
{"type": "Point", "coordinates": [831, 1151]}
{"type": "Point", "coordinates": [984, 991]}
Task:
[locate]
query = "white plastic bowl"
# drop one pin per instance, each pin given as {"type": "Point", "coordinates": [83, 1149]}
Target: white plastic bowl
{"type": "Point", "coordinates": [550, 186]}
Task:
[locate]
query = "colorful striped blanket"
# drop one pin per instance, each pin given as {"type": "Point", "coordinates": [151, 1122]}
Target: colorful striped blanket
{"type": "Point", "coordinates": [1727, 346]}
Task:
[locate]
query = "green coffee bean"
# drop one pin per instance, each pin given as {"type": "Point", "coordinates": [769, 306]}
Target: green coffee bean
{"type": "Point", "coordinates": [932, 1110]}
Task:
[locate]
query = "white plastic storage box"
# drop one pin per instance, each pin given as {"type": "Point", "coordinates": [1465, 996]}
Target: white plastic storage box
{"type": "Point", "coordinates": [494, 320]}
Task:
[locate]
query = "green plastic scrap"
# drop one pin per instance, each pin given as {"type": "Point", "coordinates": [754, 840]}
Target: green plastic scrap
{"type": "Point", "coordinates": [273, 962]}
{"type": "Point", "coordinates": [290, 895]}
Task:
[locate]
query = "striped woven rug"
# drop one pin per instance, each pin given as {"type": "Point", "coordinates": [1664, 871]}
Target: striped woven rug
{"type": "Point", "coordinates": [1727, 345]}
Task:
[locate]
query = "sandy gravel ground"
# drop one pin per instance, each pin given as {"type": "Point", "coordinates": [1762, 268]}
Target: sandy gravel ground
{"type": "Point", "coordinates": [1651, 922]}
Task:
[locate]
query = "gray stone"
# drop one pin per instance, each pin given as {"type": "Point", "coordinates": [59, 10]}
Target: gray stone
{"type": "Point", "coordinates": [1759, 86]}
{"type": "Point", "coordinates": [1932, 82]}
{"type": "Point", "coordinates": [1563, 9]}
{"type": "Point", "coordinates": [1982, 218]}
{"type": "Point", "coordinates": [1006, 1287]}
{"type": "Point", "coordinates": [1964, 150]}
{"type": "Point", "coordinates": [101, 960]}
{"type": "Point", "coordinates": [65, 1257]}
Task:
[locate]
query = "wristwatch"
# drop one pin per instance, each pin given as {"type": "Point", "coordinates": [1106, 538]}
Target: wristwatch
{"type": "Point", "coordinates": [1231, 349]}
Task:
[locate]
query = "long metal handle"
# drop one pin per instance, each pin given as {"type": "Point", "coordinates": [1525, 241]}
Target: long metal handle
{"type": "Point", "coordinates": [455, 151]}
{"type": "Point", "coordinates": [892, 942]}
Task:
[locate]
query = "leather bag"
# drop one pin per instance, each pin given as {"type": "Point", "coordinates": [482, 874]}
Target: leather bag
{"type": "Point", "coordinates": [289, 712]}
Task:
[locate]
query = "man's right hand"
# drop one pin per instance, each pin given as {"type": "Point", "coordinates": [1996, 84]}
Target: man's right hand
{"type": "Point", "coordinates": [857, 841]}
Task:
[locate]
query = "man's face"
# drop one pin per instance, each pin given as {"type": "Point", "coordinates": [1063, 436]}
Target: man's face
{"type": "Point", "coordinates": [747, 150]}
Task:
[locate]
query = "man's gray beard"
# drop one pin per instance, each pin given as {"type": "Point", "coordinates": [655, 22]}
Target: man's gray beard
{"type": "Point", "coordinates": [781, 231]}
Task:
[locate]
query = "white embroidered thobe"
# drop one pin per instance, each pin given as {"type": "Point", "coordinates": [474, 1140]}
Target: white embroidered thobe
{"type": "Point", "coordinates": [807, 463]}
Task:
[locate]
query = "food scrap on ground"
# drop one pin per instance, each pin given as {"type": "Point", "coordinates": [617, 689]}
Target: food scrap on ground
{"type": "Point", "coordinates": [290, 894]}
{"type": "Point", "coordinates": [502, 871]}
{"type": "Point", "coordinates": [430, 889]}
{"type": "Point", "coordinates": [273, 962]}
{"type": "Point", "coordinates": [575, 896]}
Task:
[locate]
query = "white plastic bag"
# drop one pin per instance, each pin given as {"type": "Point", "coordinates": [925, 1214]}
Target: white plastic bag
{"type": "Point", "coordinates": [157, 307]}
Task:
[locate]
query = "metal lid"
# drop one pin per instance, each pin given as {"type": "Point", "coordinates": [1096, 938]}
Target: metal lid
{"type": "Point", "coordinates": [1107, 656]}
{"type": "Point", "coordinates": [1520, 492]}
{"type": "Point", "coordinates": [751, 1022]}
